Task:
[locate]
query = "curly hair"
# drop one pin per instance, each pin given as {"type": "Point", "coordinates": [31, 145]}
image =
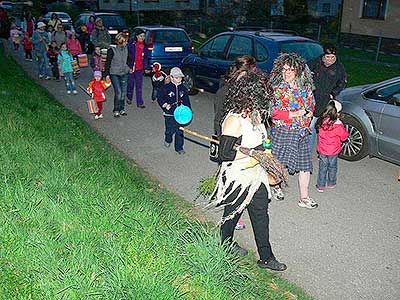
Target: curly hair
{"type": "Point", "coordinates": [304, 78]}
{"type": "Point", "coordinates": [241, 65]}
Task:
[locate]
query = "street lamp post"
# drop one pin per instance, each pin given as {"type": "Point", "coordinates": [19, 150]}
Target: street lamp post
{"type": "Point", "coordinates": [137, 12]}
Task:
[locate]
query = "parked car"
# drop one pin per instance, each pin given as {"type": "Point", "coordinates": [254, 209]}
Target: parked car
{"type": "Point", "coordinates": [64, 17]}
{"type": "Point", "coordinates": [371, 115]}
{"type": "Point", "coordinates": [168, 45]}
{"type": "Point", "coordinates": [114, 22]}
{"type": "Point", "coordinates": [204, 68]}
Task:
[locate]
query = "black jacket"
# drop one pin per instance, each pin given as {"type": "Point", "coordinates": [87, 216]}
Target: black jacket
{"type": "Point", "coordinates": [329, 82]}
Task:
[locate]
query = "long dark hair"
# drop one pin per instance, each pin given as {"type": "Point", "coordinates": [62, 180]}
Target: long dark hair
{"type": "Point", "coordinates": [328, 116]}
{"type": "Point", "coordinates": [242, 64]}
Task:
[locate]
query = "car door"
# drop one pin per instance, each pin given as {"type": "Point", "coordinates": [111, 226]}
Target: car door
{"type": "Point", "coordinates": [212, 57]}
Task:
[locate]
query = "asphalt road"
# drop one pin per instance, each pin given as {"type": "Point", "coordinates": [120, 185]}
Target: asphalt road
{"type": "Point", "coordinates": [348, 248]}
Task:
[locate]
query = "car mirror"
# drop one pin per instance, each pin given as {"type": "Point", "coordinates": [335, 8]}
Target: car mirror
{"type": "Point", "coordinates": [396, 99]}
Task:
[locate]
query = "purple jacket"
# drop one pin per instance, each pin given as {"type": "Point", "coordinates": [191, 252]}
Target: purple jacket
{"type": "Point", "coordinates": [132, 53]}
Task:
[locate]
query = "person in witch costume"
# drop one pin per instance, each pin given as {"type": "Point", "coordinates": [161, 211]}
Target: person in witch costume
{"type": "Point", "coordinates": [238, 185]}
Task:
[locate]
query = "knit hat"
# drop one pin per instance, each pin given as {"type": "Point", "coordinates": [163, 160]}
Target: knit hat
{"type": "Point", "coordinates": [157, 66]}
{"type": "Point", "coordinates": [97, 74]}
{"type": "Point", "coordinates": [338, 105]}
{"type": "Point", "coordinates": [40, 25]}
{"type": "Point", "coordinates": [176, 72]}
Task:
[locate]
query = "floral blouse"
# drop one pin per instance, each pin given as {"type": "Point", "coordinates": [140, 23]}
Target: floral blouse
{"type": "Point", "coordinates": [287, 99]}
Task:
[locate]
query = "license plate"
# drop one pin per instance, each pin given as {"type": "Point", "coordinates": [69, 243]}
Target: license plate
{"type": "Point", "coordinates": [173, 49]}
{"type": "Point", "coordinates": [113, 31]}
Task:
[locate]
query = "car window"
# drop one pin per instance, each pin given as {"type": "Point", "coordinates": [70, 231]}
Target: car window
{"type": "Point", "coordinates": [384, 93]}
{"type": "Point", "coordinates": [261, 52]}
{"type": "Point", "coordinates": [216, 47]}
{"type": "Point", "coordinates": [63, 16]}
{"type": "Point", "coordinates": [113, 21]}
{"type": "Point", "coordinates": [240, 46]}
{"type": "Point", "coordinates": [307, 50]}
{"type": "Point", "coordinates": [170, 36]}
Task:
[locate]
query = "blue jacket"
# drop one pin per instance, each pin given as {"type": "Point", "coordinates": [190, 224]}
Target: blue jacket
{"type": "Point", "coordinates": [40, 45]}
{"type": "Point", "coordinates": [173, 95]}
{"type": "Point", "coordinates": [132, 54]}
{"type": "Point", "coordinates": [65, 62]}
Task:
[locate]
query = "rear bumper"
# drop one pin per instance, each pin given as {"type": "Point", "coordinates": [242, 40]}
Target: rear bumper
{"type": "Point", "coordinates": [166, 62]}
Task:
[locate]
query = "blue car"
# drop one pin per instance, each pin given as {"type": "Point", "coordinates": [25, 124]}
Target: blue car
{"type": "Point", "coordinates": [167, 45]}
{"type": "Point", "coordinates": [204, 69]}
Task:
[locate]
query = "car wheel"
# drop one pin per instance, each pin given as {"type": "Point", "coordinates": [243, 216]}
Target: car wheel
{"type": "Point", "coordinates": [356, 146]}
{"type": "Point", "coordinates": [189, 82]}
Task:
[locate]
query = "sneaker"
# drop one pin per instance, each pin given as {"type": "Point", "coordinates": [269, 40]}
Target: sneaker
{"type": "Point", "coordinates": [240, 225]}
{"type": "Point", "coordinates": [141, 106]}
{"type": "Point", "coordinates": [68, 92]}
{"type": "Point", "coordinates": [129, 102]}
{"type": "Point", "coordinates": [101, 116]}
{"type": "Point", "coordinates": [74, 92]}
{"type": "Point", "coordinates": [307, 203]}
{"type": "Point", "coordinates": [239, 251]}
{"type": "Point", "coordinates": [320, 189]}
{"type": "Point", "coordinates": [271, 264]}
{"type": "Point", "coordinates": [48, 77]}
{"type": "Point", "coordinates": [331, 186]}
{"type": "Point", "coordinates": [96, 117]}
{"type": "Point", "coordinates": [116, 114]}
{"type": "Point", "coordinates": [277, 193]}
{"type": "Point", "coordinates": [123, 113]}
{"type": "Point", "coordinates": [30, 59]}
{"type": "Point", "coordinates": [40, 76]}
{"type": "Point", "coordinates": [166, 145]}
{"type": "Point", "coordinates": [181, 152]}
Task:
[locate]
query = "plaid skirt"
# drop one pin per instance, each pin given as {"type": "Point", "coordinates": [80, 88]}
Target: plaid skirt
{"type": "Point", "coordinates": [292, 150]}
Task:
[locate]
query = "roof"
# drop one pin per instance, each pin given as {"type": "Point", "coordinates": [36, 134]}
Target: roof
{"type": "Point", "coordinates": [92, 13]}
{"type": "Point", "coordinates": [160, 27]}
{"type": "Point", "coordinates": [272, 36]}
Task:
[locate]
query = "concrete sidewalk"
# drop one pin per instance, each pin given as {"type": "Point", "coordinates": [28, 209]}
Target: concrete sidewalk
{"type": "Point", "coordinates": [349, 248]}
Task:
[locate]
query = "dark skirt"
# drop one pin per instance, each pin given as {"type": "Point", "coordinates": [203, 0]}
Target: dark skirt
{"type": "Point", "coordinates": [292, 150]}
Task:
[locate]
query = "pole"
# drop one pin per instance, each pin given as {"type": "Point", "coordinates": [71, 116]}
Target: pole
{"type": "Point", "coordinates": [130, 7]}
{"type": "Point", "coordinates": [379, 46]}
{"type": "Point", "coordinates": [319, 32]}
{"type": "Point", "coordinates": [137, 13]}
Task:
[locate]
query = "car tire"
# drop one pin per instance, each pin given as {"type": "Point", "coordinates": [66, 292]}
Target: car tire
{"type": "Point", "coordinates": [189, 82]}
{"type": "Point", "coordinates": [356, 146]}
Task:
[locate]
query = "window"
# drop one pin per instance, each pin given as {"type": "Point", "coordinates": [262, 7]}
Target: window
{"type": "Point", "coordinates": [374, 9]}
{"type": "Point", "coordinates": [307, 50]}
{"type": "Point", "coordinates": [326, 8]}
{"type": "Point", "coordinates": [384, 93]}
{"type": "Point", "coordinates": [261, 52]}
{"type": "Point", "coordinates": [240, 46]}
{"type": "Point", "coordinates": [170, 36]}
{"type": "Point", "coordinates": [216, 47]}
{"type": "Point", "coordinates": [120, 1]}
{"type": "Point", "coordinates": [211, 3]}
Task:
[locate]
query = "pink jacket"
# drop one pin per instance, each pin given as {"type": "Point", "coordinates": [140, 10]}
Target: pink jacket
{"type": "Point", "coordinates": [330, 138]}
{"type": "Point", "coordinates": [74, 46]}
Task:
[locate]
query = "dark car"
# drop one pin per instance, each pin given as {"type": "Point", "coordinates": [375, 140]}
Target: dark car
{"type": "Point", "coordinates": [204, 69]}
{"type": "Point", "coordinates": [114, 22]}
{"type": "Point", "coordinates": [371, 115]}
{"type": "Point", "coordinates": [168, 45]}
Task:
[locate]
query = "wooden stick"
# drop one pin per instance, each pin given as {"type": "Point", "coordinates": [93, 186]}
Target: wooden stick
{"type": "Point", "coordinates": [198, 135]}
{"type": "Point", "coordinates": [83, 89]}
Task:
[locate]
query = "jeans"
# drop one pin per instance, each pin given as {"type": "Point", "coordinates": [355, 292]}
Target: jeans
{"type": "Point", "coordinates": [171, 128]}
{"type": "Point", "coordinates": [119, 83]}
{"type": "Point", "coordinates": [156, 89]}
{"type": "Point", "coordinates": [55, 71]}
{"type": "Point", "coordinates": [135, 80]}
{"type": "Point", "coordinates": [43, 63]}
{"type": "Point", "coordinates": [328, 165]}
{"type": "Point", "coordinates": [313, 135]}
{"type": "Point", "coordinates": [69, 81]}
{"type": "Point", "coordinates": [258, 213]}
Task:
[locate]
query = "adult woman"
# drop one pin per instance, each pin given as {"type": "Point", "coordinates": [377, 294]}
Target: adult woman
{"type": "Point", "coordinates": [139, 53]}
{"type": "Point", "coordinates": [117, 69]}
{"type": "Point", "coordinates": [28, 24]}
{"type": "Point", "coordinates": [293, 108]}
{"type": "Point", "coordinates": [54, 21]}
{"type": "Point", "coordinates": [59, 36]}
{"type": "Point", "coordinates": [40, 40]}
{"type": "Point", "coordinates": [240, 186]}
{"type": "Point", "coordinates": [91, 25]}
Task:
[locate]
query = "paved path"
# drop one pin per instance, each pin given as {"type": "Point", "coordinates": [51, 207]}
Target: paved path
{"type": "Point", "coordinates": [349, 248]}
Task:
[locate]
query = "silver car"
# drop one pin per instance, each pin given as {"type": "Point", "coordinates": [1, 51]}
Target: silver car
{"type": "Point", "coordinates": [371, 115]}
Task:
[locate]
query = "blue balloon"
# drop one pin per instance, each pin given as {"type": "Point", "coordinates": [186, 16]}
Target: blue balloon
{"type": "Point", "coordinates": [183, 114]}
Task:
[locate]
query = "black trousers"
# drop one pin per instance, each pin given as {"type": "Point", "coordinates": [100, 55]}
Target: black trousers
{"type": "Point", "coordinates": [258, 213]}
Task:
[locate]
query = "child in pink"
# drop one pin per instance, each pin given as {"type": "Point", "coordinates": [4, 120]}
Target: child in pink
{"type": "Point", "coordinates": [97, 88]}
{"type": "Point", "coordinates": [331, 134]}
{"type": "Point", "coordinates": [73, 45]}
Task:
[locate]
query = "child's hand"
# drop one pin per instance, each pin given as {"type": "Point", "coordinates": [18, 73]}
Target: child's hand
{"type": "Point", "coordinates": [147, 71]}
{"type": "Point", "coordinates": [168, 106]}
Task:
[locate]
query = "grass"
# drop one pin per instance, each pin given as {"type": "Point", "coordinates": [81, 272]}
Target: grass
{"type": "Point", "coordinates": [368, 56]}
{"type": "Point", "coordinates": [80, 221]}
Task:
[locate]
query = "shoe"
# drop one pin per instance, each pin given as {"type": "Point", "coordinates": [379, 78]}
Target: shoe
{"type": "Point", "coordinates": [166, 145]}
{"type": "Point", "coordinates": [48, 77]}
{"type": "Point", "coordinates": [96, 117]}
{"type": "Point", "coordinates": [116, 114]}
{"type": "Point", "coordinates": [239, 251]}
{"type": "Point", "coordinates": [277, 193]}
{"type": "Point", "coordinates": [68, 92]}
{"type": "Point", "coordinates": [307, 203]}
{"type": "Point", "coordinates": [101, 116]}
{"type": "Point", "coordinates": [30, 59]}
{"type": "Point", "coordinates": [40, 76]}
{"type": "Point", "coordinates": [240, 225]}
{"type": "Point", "coordinates": [331, 186]}
{"type": "Point", "coordinates": [129, 102]}
{"type": "Point", "coordinates": [123, 113]}
{"type": "Point", "coordinates": [141, 106]}
{"type": "Point", "coordinates": [181, 152]}
{"type": "Point", "coordinates": [74, 92]}
{"type": "Point", "coordinates": [58, 79]}
{"type": "Point", "coordinates": [320, 189]}
{"type": "Point", "coordinates": [271, 264]}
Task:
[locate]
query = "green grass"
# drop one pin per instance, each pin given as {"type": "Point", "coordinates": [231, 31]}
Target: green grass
{"type": "Point", "coordinates": [368, 56]}
{"type": "Point", "coordinates": [80, 221]}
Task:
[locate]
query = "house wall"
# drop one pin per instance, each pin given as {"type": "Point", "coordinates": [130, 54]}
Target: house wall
{"type": "Point", "coordinates": [353, 23]}
{"type": "Point", "coordinates": [149, 5]}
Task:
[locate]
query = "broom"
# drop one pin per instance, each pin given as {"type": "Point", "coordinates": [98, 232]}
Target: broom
{"type": "Point", "coordinates": [268, 162]}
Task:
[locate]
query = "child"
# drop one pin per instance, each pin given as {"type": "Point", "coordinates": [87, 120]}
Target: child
{"type": "Point", "coordinates": [52, 53]}
{"type": "Point", "coordinates": [157, 80]}
{"type": "Point", "coordinates": [15, 34]}
{"type": "Point", "coordinates": [97, 63]}
{"type": "Point", "coordinates": [28, 46]}
{"type": "Point", "coordinates": [172, 95]}
{"type": "Point", "coordinates": [331, 133]}
{"type": "Point", "coordinates": [73, 45]}
{"type": "Point", "coordinates": [97, 88]}
{"type": "Point", "coordinates": [65, 61]}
